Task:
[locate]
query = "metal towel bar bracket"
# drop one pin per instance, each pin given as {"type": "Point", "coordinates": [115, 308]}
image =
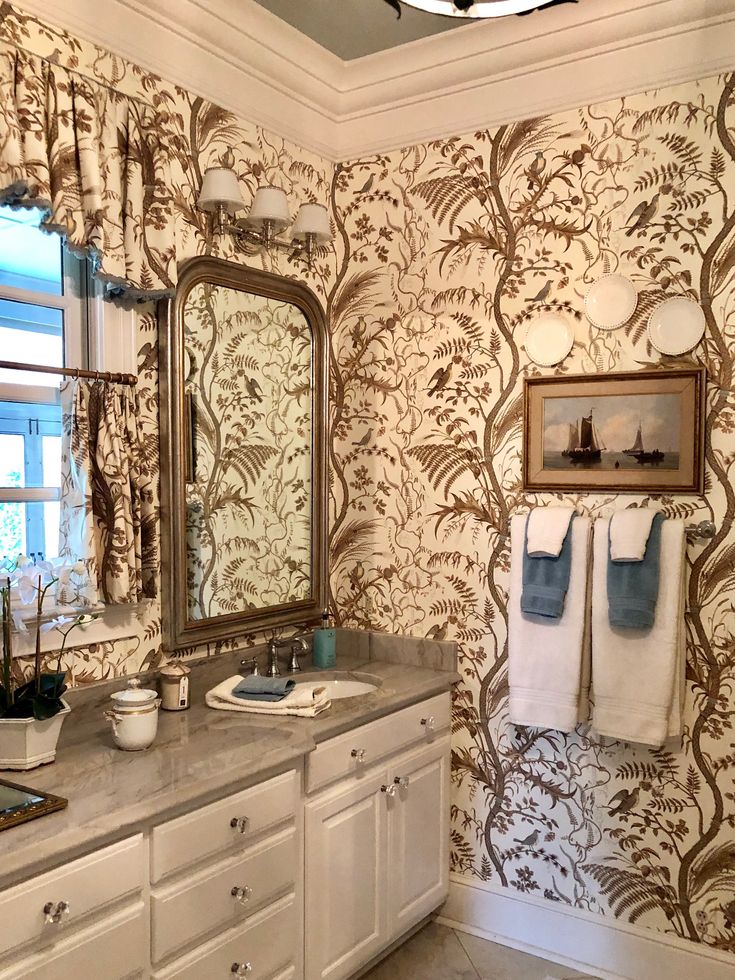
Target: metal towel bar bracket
{"type": "Point", "coordinates": [703, 531]}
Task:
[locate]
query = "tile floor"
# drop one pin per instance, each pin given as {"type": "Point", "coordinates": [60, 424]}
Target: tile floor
{"type": "Point", "coordinates": [440, 953]}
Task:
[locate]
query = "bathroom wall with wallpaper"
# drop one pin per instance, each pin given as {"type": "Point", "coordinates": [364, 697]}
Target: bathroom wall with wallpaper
{"type": "Point", "coordinates": [445, 252]}
{"type": "Point", "coordinates": [199, 135]}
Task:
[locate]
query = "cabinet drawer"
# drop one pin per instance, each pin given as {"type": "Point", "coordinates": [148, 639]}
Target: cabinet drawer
{"type": "Point", "coordinates": [209, 830]}
{"type": "Point", "coordinates": [109, 950]}
{"type": "Point", "coordinates": [268, 942]}
{"type": "Point", "coordinates": [86, 885]}
{"type": "Point", "coordinates": [183, 914]}
{"type": "Point", "coordinates": [333, 759]}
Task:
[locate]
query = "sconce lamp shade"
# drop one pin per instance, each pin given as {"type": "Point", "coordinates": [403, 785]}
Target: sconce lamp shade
{"type": "Point", "coordinates": [220, 187]}
{"type": "Point", "coordinates": [270, 204]}
{"type": "Point", "coordinates": [312, 219]}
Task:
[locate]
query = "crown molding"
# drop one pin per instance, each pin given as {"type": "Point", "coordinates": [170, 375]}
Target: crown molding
{"type": "Point", "coordinates": [250, 62]}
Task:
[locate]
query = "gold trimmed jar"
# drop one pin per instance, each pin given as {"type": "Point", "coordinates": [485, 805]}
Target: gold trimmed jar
{"type": "Point", "coordinates": [134, 717]}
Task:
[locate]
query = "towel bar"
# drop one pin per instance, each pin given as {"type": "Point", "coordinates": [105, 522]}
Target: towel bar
{"type": "Point", "coordinates": [704, 531]}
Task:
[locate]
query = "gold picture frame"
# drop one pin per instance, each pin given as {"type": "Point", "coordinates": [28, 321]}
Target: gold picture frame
{"type": "Point", "coordinates": [632, 432]}
{"type": "Point", "coordinates": [25, 804]}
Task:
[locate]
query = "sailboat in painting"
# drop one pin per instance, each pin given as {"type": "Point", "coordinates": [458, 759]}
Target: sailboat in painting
{"type": "Point", "coordinates": [589, 446]}
{"type": "Point", "coordinates": [638, 450]}
{"type": "Point", "coordinates": [573, 442]}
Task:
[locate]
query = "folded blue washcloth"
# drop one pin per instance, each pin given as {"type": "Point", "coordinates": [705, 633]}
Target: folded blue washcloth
{"type": "Point", "coordinates": [546, 579]}
{"type": "Point", "coordinates": [255, 688]}
{"type": "Point", "coordinates": [632, 586]}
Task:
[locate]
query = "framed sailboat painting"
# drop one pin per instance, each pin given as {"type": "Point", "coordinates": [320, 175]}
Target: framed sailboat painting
{"type": "Point", "coordinates": [638, 432]}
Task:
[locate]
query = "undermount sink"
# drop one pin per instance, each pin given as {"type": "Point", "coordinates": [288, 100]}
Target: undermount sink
{"type": "Point", "coordinates": [343, 684]}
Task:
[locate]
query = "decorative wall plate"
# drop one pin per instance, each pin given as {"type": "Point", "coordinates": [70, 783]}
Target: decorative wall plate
{"type": "Point", "coordinates": [549, 339]}
{"type": "Point", "coordinates": [611, 301]}
{"type": "Point", "coordinates": [676, 326]}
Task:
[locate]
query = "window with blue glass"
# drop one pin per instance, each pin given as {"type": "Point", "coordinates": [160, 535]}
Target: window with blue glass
{"type": "Point", "coordinates": [42, 322]}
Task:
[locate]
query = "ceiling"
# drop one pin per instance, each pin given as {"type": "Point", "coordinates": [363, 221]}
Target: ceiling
{"type": "Point", "coordinates": [353, 28]}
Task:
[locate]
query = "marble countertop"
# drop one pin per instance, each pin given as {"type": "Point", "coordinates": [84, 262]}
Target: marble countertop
{"type": "Point", "coordinates": [199, 755]}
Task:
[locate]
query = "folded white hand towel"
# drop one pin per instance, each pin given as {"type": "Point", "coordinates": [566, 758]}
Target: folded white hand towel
{"type": "Point", "coordinates": [638, 675]}
{"type": "Point", "coordinates": [548, 660]}
{"type": "Point", "coordinates": [629, 533]}
{"type": "Point", "coordinates": [305, 701]}
{"type": "Point", "coordinates": [547, 528]}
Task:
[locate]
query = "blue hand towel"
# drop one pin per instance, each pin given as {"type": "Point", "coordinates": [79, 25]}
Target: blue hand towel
{"type": "Point", "coordinates": [255, 688]}
{"type": "Point", "coordinates": [546, 579]}
{"type": "Point", "coordinates": [632, 586]}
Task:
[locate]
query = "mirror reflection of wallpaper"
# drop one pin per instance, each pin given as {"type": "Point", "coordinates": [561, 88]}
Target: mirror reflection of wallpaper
{"type": "Point", "coordinates": [249, 506]}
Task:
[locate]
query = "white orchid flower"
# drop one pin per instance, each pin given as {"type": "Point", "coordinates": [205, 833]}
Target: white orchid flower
{"type": "Point", "coordinates": [79, 568]}
{"type": "Point", "coordinates": [26, 590]}
{"type": "Point", "coordinates": [54, 624]}
{"type": "Point", "coordinates": [23, 561]}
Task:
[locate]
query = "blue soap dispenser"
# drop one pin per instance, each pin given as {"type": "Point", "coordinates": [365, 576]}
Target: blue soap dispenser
{"type": "Point", "coordinates": [324, 651]}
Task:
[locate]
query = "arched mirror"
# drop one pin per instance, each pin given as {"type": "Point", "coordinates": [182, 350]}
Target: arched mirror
{"type": "Point", "coordinates": [243, 357]}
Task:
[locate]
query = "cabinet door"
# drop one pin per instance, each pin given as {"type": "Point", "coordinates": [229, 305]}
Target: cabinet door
{"type": "Point", "coordinates": [346, 915]}
{"type": "Point", "coordinates": [418, 850]}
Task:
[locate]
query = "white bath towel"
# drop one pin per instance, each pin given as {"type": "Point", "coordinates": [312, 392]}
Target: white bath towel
{"type": "Point", "coordinates": [548, 660]}
{"type": "Point", "coordinates": [638, 675]}
{"type": "Point", "coordinates": [629, 533]}
{"type": "Point", "coordinates": [547, 528]}
{"type": "Point", "coordinates": [305, 701]}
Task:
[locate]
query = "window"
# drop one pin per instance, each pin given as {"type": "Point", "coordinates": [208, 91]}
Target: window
{"type": "Point", "coordinates": [43, 321]}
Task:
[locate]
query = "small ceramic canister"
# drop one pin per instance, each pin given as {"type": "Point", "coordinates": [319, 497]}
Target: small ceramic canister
{"type": "Point", "coordinates": [174, 686]}
{"type": "Point", "coordinates": [134, 717]}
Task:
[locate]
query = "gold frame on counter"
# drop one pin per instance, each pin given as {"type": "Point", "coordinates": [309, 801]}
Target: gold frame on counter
{"type": "Point", "coordinates": [690, 384]}
{"type": "Point", "coordinates": [179, 631]}
{"type": "Point", "coordinates": [47, 804]}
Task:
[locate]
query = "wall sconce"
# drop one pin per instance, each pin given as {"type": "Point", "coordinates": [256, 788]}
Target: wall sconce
{"type": "Point", "coordinates": [268, 218]}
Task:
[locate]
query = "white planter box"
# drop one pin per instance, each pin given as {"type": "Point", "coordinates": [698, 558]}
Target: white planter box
{"type": "Point", "coordinates": [26, 743]}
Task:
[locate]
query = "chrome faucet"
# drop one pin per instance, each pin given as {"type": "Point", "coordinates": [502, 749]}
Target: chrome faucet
{"type": "Point", "coordinates": [298, 643]}
{"type": "Point", "coordinates": [273, 645]}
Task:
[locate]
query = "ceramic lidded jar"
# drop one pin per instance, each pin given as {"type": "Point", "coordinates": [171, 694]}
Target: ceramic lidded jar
{"type": "Point", "coordinates": [134, 717]}
{"type": "Point", "coordinates": [174, 683]}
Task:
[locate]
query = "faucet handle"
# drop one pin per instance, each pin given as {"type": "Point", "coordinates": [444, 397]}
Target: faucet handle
{"type": "Point", "coordinates": [298, 641]}
{"type": "Point", "coordinates": [252, 663]}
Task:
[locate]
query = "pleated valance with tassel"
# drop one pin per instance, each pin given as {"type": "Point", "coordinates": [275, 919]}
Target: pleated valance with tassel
{"type": "Point", "coordinates": [90, 158]}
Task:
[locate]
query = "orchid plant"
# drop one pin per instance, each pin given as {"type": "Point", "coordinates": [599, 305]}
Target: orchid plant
{"type": "Point", "coordinates": [40, 697]}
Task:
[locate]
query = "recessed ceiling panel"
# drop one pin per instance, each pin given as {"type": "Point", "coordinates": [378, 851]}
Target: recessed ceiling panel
{"type": "Point", "coordinates": [353, 28]}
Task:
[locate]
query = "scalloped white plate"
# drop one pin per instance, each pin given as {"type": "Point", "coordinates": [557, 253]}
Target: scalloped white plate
{"type": "Point", "coordinates": [549, 339]}
{"type": "Point", "coordinates": [676, 326]}
{"type": "Point", "coordinates": [611, 301]}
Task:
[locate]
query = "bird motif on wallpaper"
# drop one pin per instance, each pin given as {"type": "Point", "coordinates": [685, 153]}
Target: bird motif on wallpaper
{"type": "Point", "coordinates": [530, 841]}
{"type": "Point", "coordinates": [535, 169]}
{"type": "Point", "coordinates": [253, 389]}
{"type": "Point", "coordinates": [643, 215]}
{"type": "Point", "coordinates": [625, 801]}
{"type": "Point", "coordinates": [365, 439]}
{"type": "Point", "coordinates": [440, 379]}
{"type": "Point", "coordinates": [729, 912]}
{"type": "Point", "coordinates": [542, 295]}
{"type": "Point", "coordinates": [439, 631]}
{"type": "Point", "coordinates": [367, 186]}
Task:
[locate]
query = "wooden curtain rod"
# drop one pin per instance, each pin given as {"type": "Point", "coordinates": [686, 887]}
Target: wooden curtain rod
{"type": "Point", "coordinates": [123, 379]}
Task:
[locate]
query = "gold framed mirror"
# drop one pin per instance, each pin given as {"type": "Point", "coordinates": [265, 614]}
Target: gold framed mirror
{"type": "Point", "coordinates": [244, 370]}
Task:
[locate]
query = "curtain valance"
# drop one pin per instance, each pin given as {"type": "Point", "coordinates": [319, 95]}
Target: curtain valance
{"type": "Point", "coordinates": [90, 157]}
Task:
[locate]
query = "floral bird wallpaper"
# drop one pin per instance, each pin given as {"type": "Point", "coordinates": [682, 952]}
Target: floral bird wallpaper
{"type": "Point", "coordinates": [443, 254]}
{"type": "Point", "coordinates": [447, 251]}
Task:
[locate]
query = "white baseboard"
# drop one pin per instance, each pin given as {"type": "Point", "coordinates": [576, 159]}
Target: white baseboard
{"type": "Point", "coordinates": [584, 941]}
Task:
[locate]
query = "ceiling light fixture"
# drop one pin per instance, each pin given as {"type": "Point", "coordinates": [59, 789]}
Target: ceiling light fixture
{"type": "Point", "coordinates": [477, 8]}
{"type": "Point", "coordinates": [268, 217]}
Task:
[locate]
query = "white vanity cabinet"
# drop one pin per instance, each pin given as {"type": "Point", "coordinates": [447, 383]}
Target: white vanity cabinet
{"type": "Point", "coordinates": [377, 839]}
{"type": "Point", "coordinates": [227, 887]}
{"type": "Point", "coordinates": [86, 917]}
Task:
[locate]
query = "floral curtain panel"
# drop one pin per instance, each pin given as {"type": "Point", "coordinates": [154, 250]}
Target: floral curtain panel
{"type": "Point", "coordinates": [107, 500]}
{"type": "Point", "coordinates": [89, 157]}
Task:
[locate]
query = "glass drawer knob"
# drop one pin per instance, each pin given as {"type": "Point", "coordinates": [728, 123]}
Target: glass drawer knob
{"type": "Point", "coordinates": [240, 969]}
{"type": "Point", "coordinates": [358, 755]}
{"type": "Point", "coordinates": [240, 824]}
{"type": "Point", "coordinates": [54, 912]}
{"type": "Point", "coordinates": [389, 790]}
{"type": "Point", "coordinates": [401, 782]}
{"type": "Point", "coordinates": [429, 723]}
{"type": "Point", "coordinates": [242, 893]}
